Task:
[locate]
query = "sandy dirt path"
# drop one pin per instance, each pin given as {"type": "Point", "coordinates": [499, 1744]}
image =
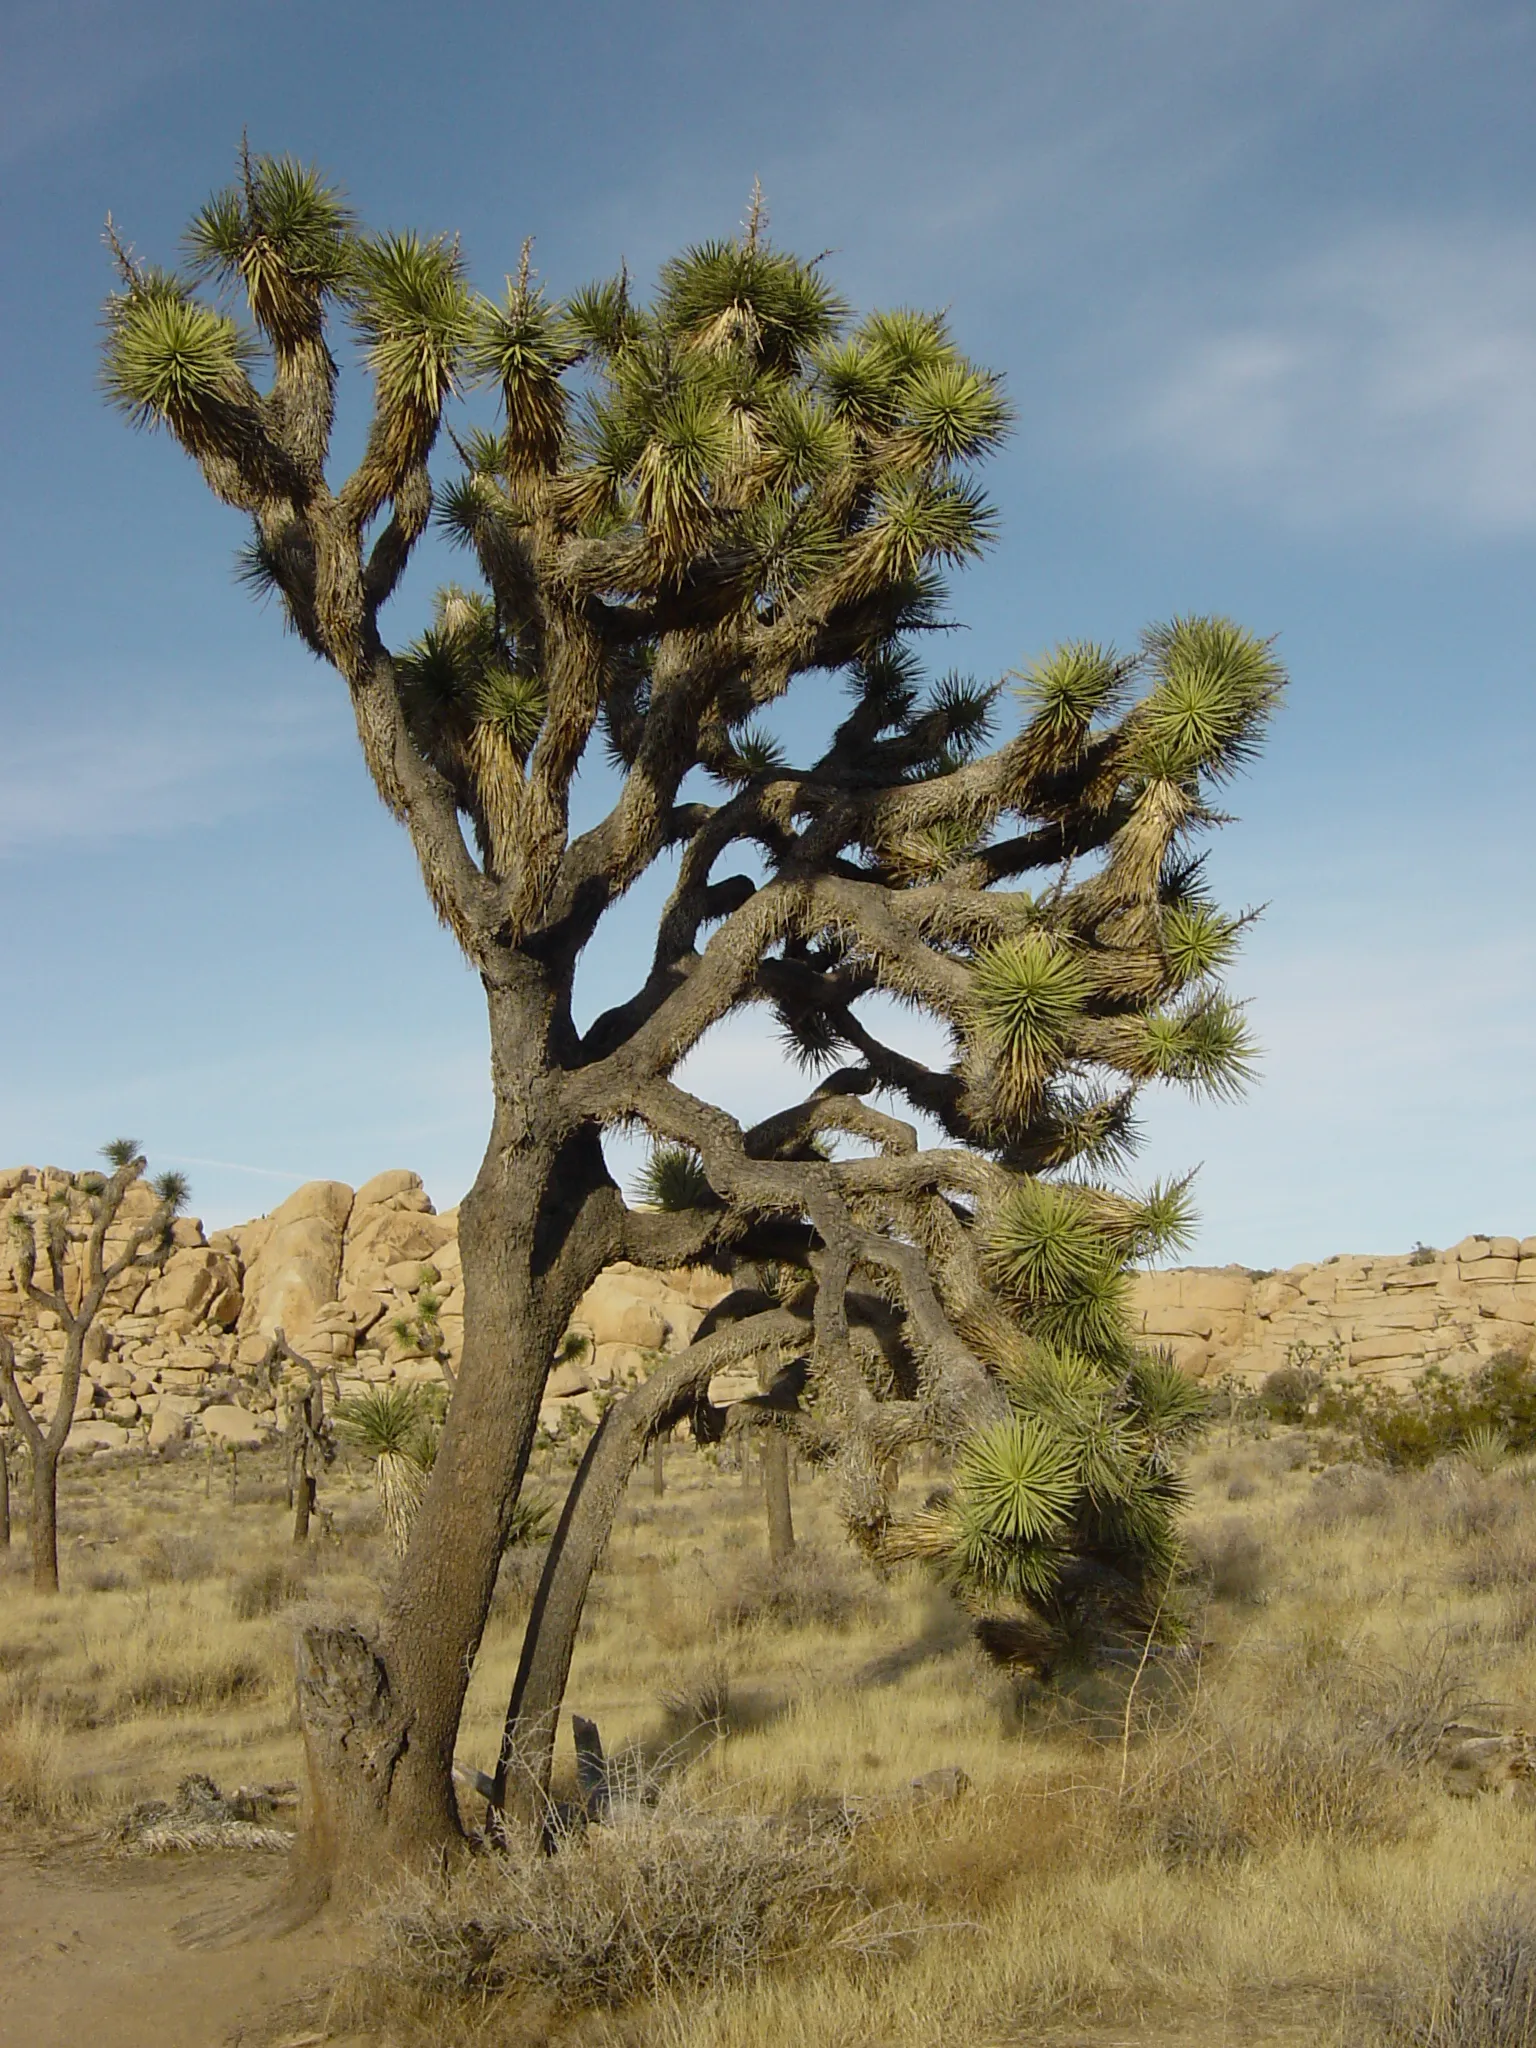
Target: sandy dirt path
{"type": "Point", "coordinates": [90, 1956]}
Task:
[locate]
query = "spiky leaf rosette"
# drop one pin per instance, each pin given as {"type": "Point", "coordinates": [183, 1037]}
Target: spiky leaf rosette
{"type": "Point", "coordinates": [387, 1424]}
{"type": "Point", "coordinates": [1066, 1517]}
{"type": "Point", "coordinates": [673, 1179]}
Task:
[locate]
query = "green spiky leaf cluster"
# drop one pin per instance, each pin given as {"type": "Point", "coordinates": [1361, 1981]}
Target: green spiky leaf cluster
{"type": "Point", "coordinates": [673, 1179]}
{"type": "Point", "coordinates": [1069, 1510]}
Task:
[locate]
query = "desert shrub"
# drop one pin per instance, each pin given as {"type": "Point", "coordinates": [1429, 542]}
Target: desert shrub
{"type": "Point", "coordinates": [1484, 1993]}
{"type": "Point", "coordinates": [1288, 1392]}
{"type": "Point", "coordinates": [32, 1783]}
{"type": "Point", "coordinates": [810, 1588]}
{"type": "Point", "coordinates": [1344, 1493]}
{"type": "Point", "coordinates": [1232, 1560]}
{"type": "Point", "coordinates": [1399, 1710]}
{"type": "Point", "coordinates": [700, 1699]}
{"type": "Point", "coordinates": [102, 1578]}
{"type": "Point", "coordinates": [532, 1522]}
{"type": "Point", "coordinates": [1462, 1505]}
{"type": "Point", "coordinates": [1438, 1416]}
{"type": "Point", "coordinates": [662, 1901]}
{"type": "Point", "coordinates": [1516, 1623]}
{"type": "Point", "coordinates": [1506, 1558]}
{"type": "Point", "coordinates": [1215, 1794]}
{"type": "Point", "coordinates": [266, 1589]}
{"type": "Point", "coordinates": [169, 1558]}
{"type": "Point", "coordinates": [173, 1668]}
{"type": "Point", "coordinates": [1293, 1454]}
{"type": "Point", "coordinates": [1242, 1486]}
{"type": "Point", "coordinates": [517, 1580]}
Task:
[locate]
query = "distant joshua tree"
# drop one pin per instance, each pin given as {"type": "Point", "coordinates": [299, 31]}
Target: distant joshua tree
{"type": "Point", "coordinates": [692, 510]}
{"type": "Point", "coordinates": [41, 1237]}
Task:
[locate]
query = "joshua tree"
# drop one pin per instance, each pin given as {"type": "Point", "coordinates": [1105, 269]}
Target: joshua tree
{"type": "Point", "coordinates": [692, 512]}
{"type": "Point", "coordinates": [44, 1234]}
{"type": "Point", "coordinates": [311, 1442]}
{"type": "Point", "coordinates": [391, 1427]}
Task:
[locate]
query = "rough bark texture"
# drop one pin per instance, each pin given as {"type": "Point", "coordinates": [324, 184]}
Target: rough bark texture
{"type": "Point", "coordinates": [43, 1520]}
{"type": "Point", "coordinates": [619, 1442]}
{"type": "Point", "coordinates": [781, 1521]}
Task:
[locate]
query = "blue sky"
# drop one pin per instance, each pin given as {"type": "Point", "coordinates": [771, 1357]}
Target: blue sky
{"type": "Point", "coordinates": [1261, 281]}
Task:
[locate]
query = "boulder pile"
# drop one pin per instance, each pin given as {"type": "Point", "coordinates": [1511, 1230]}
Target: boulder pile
{"type": "Point", "coordinates": [1384, 1318]}
{"type": "Point", "coordinates": [367, 1284]}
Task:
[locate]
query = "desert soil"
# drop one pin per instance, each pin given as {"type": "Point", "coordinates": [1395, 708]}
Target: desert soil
{"type": "Point", "coordinates": [95, 1954]}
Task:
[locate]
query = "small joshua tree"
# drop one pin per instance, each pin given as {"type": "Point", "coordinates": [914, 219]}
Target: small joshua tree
{"type": "Point", "coordinates": [41, 1237]}
{"type": "Point", "coordinates": [392, 1427]}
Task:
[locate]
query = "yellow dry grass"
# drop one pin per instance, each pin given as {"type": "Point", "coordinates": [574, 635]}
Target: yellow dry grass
{"type": "Point", "coordinates": [1256, 1850]}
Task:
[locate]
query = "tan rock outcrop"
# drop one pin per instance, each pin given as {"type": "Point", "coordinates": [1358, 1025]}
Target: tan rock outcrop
{"type": "Point", "coordinates": [298, 1268]}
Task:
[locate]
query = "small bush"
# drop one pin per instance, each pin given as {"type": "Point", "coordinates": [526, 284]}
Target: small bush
{"type": "Point", "coordinates": [1288, 1393]}
{"type": "Point", "coordinates": [660, 1902]}
{"type": "Point", "coordinates": [263, 1591]}
{"type": "Point", "coordinates": [1219, 1794]}
{"type": "Point", "coordinates": [171, 1559]}
{"type": "Point", "coordinates": [173, 1668]}
{"type": "Point", "coordinates": [1439, 1416]}
{"type": "Point", "coordinates": [1517, 1617]}
{"type": "Point", "coordinates": [1242, 1486]}
{"type": "Point", "coordinates": [32, 1765]}
{"type": "Point", "coordinates": [701, 1700]}
{"type": "Point", "coordinates": [1344, 1493]}
{"type": "Point", "coordinates": [1484, 1995]}
{"type": "Point", "coordinates": [103, 1578]}
{"type": "Point", "coordinates": [1233, 1561]}
{"type": "Point", "coordinates": [517, 1580]}
{"type": "Point", "coordinates": [808, 1589]}
{"type": "Point", "coordinates": [1506, 1559]}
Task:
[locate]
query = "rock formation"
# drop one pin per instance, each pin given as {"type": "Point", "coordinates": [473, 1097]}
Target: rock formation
{"type": "Point", "coordinates": [365, 1283]}
{"type": "Point", "coordinates": [368, 1283]}
{"type": "Point", "coordinates": [1381, 1317]}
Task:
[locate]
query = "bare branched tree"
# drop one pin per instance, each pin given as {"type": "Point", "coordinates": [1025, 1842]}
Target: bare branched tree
{"type": "Point", "coordinates": [691, 514]}
{"type": "Point", "coordinates": [41, 1238]}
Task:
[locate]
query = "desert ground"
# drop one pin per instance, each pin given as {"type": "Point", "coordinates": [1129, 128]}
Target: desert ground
{"type": "Point", "coordinates": [1257, 1838]}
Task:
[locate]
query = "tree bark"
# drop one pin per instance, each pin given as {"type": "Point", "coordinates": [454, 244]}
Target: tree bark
{"type": "Point", "coordinates": [381, 1719]}
{"type": "Point", "coordinates": [554, 1620]}
{"type": "Point", "coordinates": [659, 1467]}
{"type": "Point", "coordinates": [781, 1523]}
{"type": "Point", "coordinates": [5, 1495]}
{"type": "Point", "coordinates": [521, 1784]}
{"type": "Point", "coordinates": [43, 1525]}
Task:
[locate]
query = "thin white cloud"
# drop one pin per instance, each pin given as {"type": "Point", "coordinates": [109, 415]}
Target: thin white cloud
{"type": "Point", "coordinates": [1392, 377]}
{"type": "Point", "coordinates": [148, 768]}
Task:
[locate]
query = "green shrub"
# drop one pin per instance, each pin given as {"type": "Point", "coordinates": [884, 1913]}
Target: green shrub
{"type": "Point", "coordinates": [1438, 1416]}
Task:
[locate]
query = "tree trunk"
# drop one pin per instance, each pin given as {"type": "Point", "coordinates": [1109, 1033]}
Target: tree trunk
{"type": "Point", "coordinates": [549, 1640]}
{"type": "Point", "coordinates": [781, 1524]}
{"type": "Point", "coordinates": [5, 1495]}
{"type": "Point", "coordinates": [659, 1467]}
{"type": "Point", "coordinates": [303, 1504]}
{"type": "Point", "coordinates": [381, 1720]}
{"type": "Point", "coordinates": [43, 1528]}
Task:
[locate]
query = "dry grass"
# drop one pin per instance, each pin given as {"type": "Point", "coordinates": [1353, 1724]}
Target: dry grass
{"type": "Point", "coordinates": [1257, 1841]}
